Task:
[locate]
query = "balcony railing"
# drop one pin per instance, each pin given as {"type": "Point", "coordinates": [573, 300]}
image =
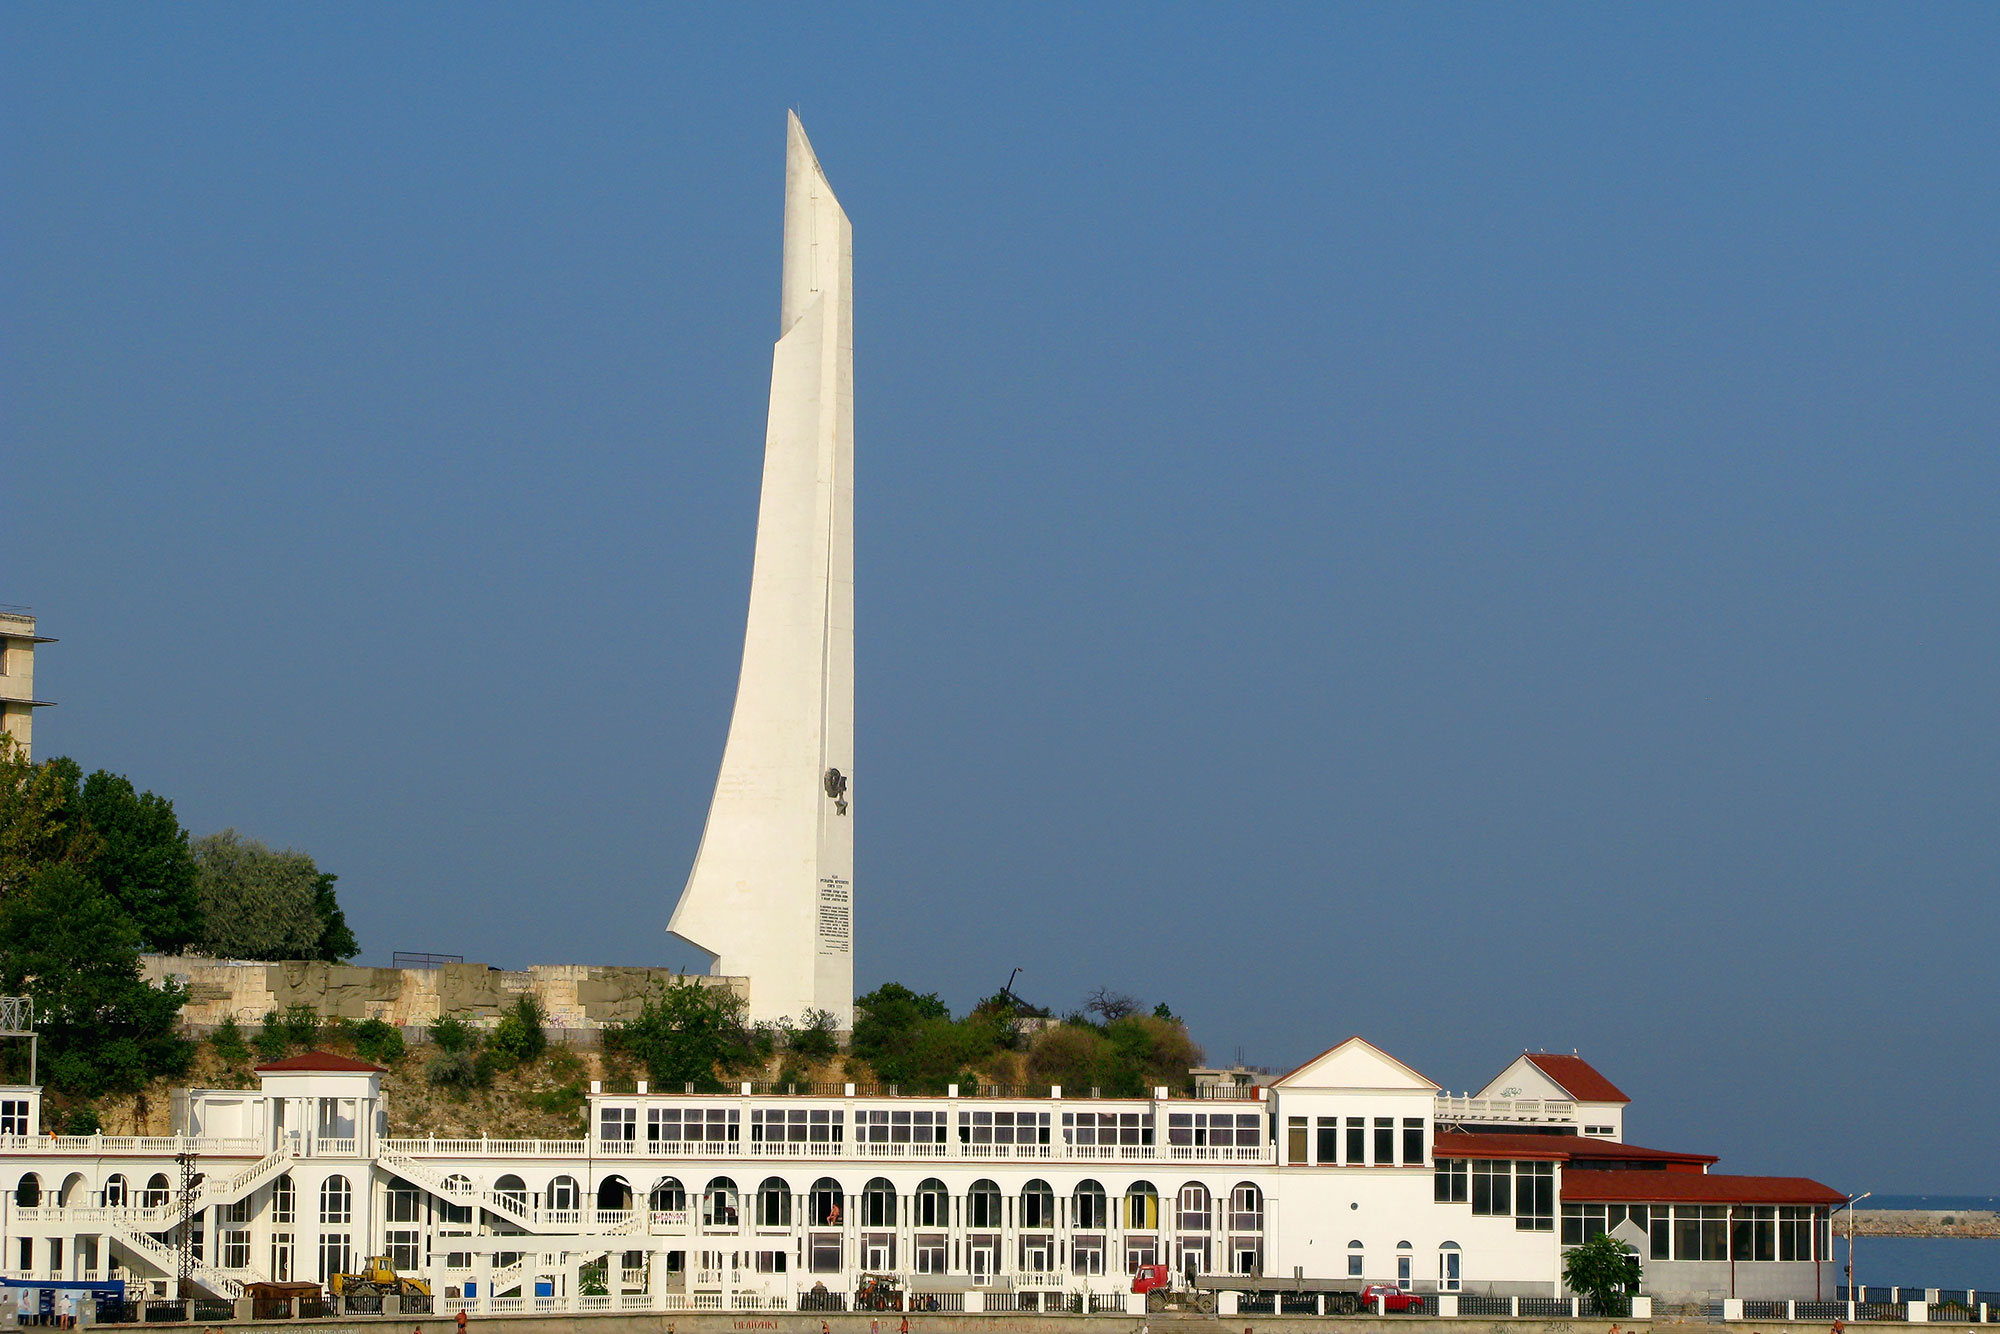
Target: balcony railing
{"type": "Point", "coordinates": [739, 1148]}
{"type": "Point", "coordinates": [209, 1145]}
{"type": "Point", "coordinates": [1504, 1109]}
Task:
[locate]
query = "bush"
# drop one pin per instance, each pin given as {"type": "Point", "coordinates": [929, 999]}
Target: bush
{"type": "Point", "coordinates": [814, 1039]}
{"type": "Point", "coordinates": [685, 1034]}
{"type": "Point", "coordinates": [519, 1040]}
{"type": "Point", "coordinates": [378, 1042]}
{"type": "Point", "coordinates": [450, 1033]}
{"type": "Point", "coordinates": [270, 1041]}
{"type": "Point", "coordinates": [300, 1026]}
{"type": "Point", "coordinates": [1604, 1270]}
{"type": "Point", "coordinates": [227, 1039]}
{"type": "Point", "coordinates": [451, 1070]}
{"type": "Point", "coordinates": [81, 1121]}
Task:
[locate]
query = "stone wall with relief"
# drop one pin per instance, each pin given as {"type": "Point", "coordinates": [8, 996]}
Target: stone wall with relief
{"type": "Point", "coordinates": [573, 996]}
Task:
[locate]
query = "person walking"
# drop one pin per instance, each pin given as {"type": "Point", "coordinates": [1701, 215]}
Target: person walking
{"type": "Point", "coordinates": [461, 1320]}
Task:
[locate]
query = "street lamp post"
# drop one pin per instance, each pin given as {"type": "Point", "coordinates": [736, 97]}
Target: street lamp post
{"type": "Point", "coordinates": [1851, 1202]}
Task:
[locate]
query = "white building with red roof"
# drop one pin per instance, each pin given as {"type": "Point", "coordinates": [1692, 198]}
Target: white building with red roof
{"type": "Point", "coordinates": [1353, 1169]}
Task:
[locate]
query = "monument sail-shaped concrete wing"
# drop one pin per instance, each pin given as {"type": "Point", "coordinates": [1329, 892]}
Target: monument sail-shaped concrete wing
{"type": "Point", "coordinates": [771, 892]}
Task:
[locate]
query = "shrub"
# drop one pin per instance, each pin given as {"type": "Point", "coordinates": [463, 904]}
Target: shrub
{"type": "Point", "coordinates": [81, 1121]}
{"type": "Point", "coordinates": [270, 1041]}
{"type": "Point", "coordinates": [519, 1040]}
{"type": "Point", "coordinates": [227, 1039]}
{"type": "Point", "coordinates": [300, 1025]}
{"type": "Point", "coordinates": [378, 1042]}
{"type": "Point", "coordinates": [814, 1038]}
{"type": "Point", "coordinates": [451, 1033]}
{"type": "Point", "coordinates": [449, 1069]}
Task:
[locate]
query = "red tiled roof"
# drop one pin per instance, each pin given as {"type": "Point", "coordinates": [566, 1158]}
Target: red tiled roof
{"type": "Point", "coordinates": [319, 1060]}
{"type": "Point", "coordinates": [1563, 1148]}
{"type": "Point", "coordinates": [1694, 1188]}
{"type": "Point", "coordinates": [1576, 1077]}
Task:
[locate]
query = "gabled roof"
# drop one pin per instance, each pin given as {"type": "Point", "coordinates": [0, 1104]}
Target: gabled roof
{"type": "Point", "coordinates": [1694, 1188]}
{"type": "Point", "coordinates": [323, 1061]}
{"type": "Point", "coordinates": [1355, 1063]}
{"type": "Point", "coordinates": [1577, 1077]}
{"type": "Point", "coordinates": [1562, 1148]}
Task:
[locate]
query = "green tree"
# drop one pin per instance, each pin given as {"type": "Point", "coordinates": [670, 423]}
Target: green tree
{"type": "Point", "coordinates": [41, 816]}
{"type": "Point", "coordinates": [1604, 1270]}
{"type": "Point", "coordinates": [518, 1038]}
{"type": "Point", "coordinates": [271, 1042]}
{"type": "Point", "coordinates": [72, 947]}
{"type": "Point", "coordinates": [257, 903]}
{"type": "Point", "coordinates": [888, 1017]}
{"type": "Point", "coordinates": [336, 942]}
{"type": "Point", "coordinates": [227, 1039]}
{"type": "Point", "coordinates": [142, 860]}
{"type": "Point", "coordinates": [686, 1033]}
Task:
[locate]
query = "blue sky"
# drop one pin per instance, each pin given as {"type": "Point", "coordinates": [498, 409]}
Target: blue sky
{"type": "Point", "coordinates": [1474, 526]}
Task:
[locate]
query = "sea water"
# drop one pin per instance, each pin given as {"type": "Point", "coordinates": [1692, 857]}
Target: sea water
{"type": "Point", "coordinates": [1926, 1262]}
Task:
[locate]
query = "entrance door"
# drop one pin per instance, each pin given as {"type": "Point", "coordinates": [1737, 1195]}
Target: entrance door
{"type": "Point", "coordinates": [876, 1257]}
{"type": "Point", "coordinates": [984, 1260]}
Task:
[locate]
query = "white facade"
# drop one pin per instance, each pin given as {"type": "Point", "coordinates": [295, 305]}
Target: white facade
{"type": "Point", "coordinates": [1341, 1170]}
{"type": "Point", "coordinates": [771, 892]}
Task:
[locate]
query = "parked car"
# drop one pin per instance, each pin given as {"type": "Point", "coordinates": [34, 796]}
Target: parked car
{"type": "Point", "coordinates": [1394, 1299]}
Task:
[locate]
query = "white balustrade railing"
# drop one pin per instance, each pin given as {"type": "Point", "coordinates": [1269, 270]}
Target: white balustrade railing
{"type": "Point", "coordinates": [1449, 1108]}
{"type": "Point", "coordinates": [211, 1146]}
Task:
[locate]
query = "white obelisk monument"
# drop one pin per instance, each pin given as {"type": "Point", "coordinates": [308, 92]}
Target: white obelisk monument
{"type": "Point", "coordinates": [771, 896]}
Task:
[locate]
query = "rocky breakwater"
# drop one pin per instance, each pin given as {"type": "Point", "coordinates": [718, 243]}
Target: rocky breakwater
{"type": "Point", "coordinates": [1923, 1223]}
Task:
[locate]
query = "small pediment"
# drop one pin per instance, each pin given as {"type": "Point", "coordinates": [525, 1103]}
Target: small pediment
{"type": "Point", "coordinates": [1355, 1064]}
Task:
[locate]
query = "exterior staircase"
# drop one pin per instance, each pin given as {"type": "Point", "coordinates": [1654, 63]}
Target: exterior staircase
{"type": "Point", "coordinates": [506, 1206]}
{"type": "Point", "coordinates": [167, 1260]}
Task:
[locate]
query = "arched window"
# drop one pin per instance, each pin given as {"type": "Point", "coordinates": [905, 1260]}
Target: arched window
{"type": "Point", "coordinates": [1354, 1259]}
{"type": "Point", "coordinates": [1142, 1207]}
{"type": "Point", "coordinates": [73, 1188]}
{"type": "Point", "coordinates": [774, 1203]}
{"type": "Point", "coordinates": [156, 1191]}
{"type": "Point", "coordinates": [1449, 1275]}
{"type": "Point", "coordinates": [1191, 1208]}
{"type": "Point", "coordinates": [1038, 1205]}
{"type": "Point", "coordinates": [1404, 1256]}
{"type": "Point", "coordinates": [878, 1204]}
{"type": "Point", "coordinates": [718, 1204]}
{"type": "Point", "coordinates": [933, 1204]}
{"type": "Point", "coordinates": [115, 1190]}
{"type": "Point", "coordinates": [982, 1204]}
{"type": "Point", "coordinates": [1089, 1204]}
{"type": "Point", "coordinates": [564, 1195]}
{"type": "Point", "coordinates": [512, 1189]}
{"type": "Point", "coordinates": [667, 1196]}
{"type": "Point", "coordinates": [614, 1192]}
{"type": "Point", "coordinates": [336, 1201]}
{"type": "Point", "coordinates": [1246, 1208]}
{"type": "Point", "coordinates": [29, 1193]}
{"type": "Point", "coordinates": [828, 1205]}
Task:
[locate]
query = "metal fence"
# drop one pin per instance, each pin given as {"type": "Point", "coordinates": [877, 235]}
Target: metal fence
{"type": "Point", "coordinates": [1471, 1304]}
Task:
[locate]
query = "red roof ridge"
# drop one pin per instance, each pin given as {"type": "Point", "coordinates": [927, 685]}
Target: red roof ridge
{"type": "Point", "coordinates": [1576, 1077]}
{"type": "Point", "coordinates": [1639, 1187]}
{"type": "Point", "coordinates": [327, 1061]}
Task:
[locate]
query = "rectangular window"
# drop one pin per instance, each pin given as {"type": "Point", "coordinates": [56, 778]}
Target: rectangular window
{"type": "Point", "coordinates": [405, 1204]}
{"type": "Point", "coordinates": [1385, 1141]}
{"type": "Point", "coordinates": [1700, 1232]}
{"type": "Point", "coordinates": [13, 1117]}
{"type": "Point", "coordinates": [1354, 1264]}
{"type": "Point", "coordinates": [1451, 1182]}
{"type": "Point", "coordinates": [406, 1249]}
{"type": "Point", "coordinates": [930, 1253]}
{"type": "Point", "coordinates": [1087, 1257]}
{"type": "Point", "coordinates": [1492, 1187]}
{"type": "Point", "coordinates": [333, 1253]}
{"type": "Point", "coordinates": [1534, 1197]}
{"type": "Point", "coordinates": [1296, 1148]}
{"type": "Point", "coordinates": [284, 1200]}
{"type": "Point", "coordinates": [1329, 1139]}
{"type": "Point", "coordinates": [1754, 1233]}
{"type": "Point", "coordinates": [618, 1125]}
{"type": "Point", "coordinates": [1662, 1235]}
{"type": "Point", "coordinates": [1413, 1141]}
{"type": "Point", "coordinates": [1357, 1141]}
{"type": "Point", "coordinates": [771, 1262]}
